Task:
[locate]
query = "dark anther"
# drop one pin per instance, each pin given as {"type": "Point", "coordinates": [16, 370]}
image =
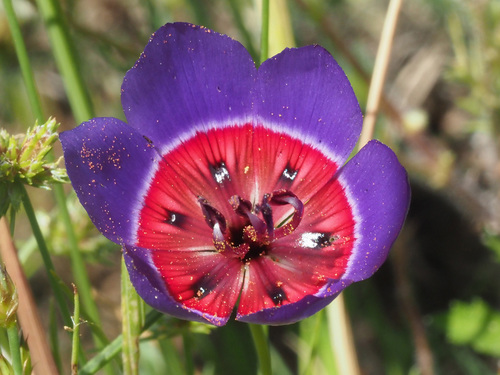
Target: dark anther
{"type": "Point", "coordinates": [241, 206]}
{"type": "Point", "coordinates": [267, 214]}
{"type": "Point", "coordinates": [212, 215]}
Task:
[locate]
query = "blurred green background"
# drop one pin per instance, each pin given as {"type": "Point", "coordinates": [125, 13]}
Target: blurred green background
{"type": "Point", "coordinates": [434, 307]}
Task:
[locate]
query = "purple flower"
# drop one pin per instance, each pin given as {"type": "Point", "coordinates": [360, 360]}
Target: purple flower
{"type": "Point", "coordinates": [227, 188]}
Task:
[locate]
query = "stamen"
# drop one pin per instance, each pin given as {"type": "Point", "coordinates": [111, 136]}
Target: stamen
{"type": "Point", "coordinates": [282, 197]}
{"type": "Point", "coordinates": [212, 215]}
{"type": "Point", "coordinates": [221, 237]}
{"type": "Point", "coordinates": [254, 238]}
{"type": "Point", "coordinates": [267, 214]}
{"type": "Point", "coordinates": [244, 208]}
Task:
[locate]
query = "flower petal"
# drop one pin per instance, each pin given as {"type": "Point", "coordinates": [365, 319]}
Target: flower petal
{"type": "Point", "coordinates": [379, 191]}
{"type": "Point", "coordinates": [187, 78]}
{"type": "Point", "coordinates": [302, 309]}
{"type": "Point", "coordinates": [355, 219]}
{"type": "Point", "coordinates": [109, 165]}
{"type": "Point", "coordinates": [305, 93]}
{"type": "Point", "coordinates": [148, 280]}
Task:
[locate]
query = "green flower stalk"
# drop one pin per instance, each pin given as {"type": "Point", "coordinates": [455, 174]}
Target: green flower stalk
{"type": "Point", "coordinates": [8, 300]}
{"type": "Point", "coordinates": [22, 160]}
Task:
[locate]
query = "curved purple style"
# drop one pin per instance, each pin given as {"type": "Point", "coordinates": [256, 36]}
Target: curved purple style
{"type": "Point", "coordinates": [227, 188]}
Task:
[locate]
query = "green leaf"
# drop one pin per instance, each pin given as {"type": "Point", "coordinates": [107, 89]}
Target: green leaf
{"type": "Point", "coordinates": [475, 324]}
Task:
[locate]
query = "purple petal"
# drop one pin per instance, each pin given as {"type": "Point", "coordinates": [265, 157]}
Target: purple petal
{"type": "Point", "coordinates": [378, 187]}
{"type": "Point", "coordinates": [294, 312]}
{"type": "Point", "coordinates": [187, 77]}
{"type": "Point", "coordinates": [150, 286]}
{"type": "Point", "coordinates": [109, 165]}
{"type": "Point", "coordinates": [305, 93]}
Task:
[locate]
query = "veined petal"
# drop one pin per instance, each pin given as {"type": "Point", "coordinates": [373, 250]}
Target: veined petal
{"type": "Point", "coordinates": [146, 275]}
{"type": "Point", "coordinates": [379, 192]}
{"type": "Point", "coordinates": [187, 79]}
{"type": "Point", "coordinates": [109, 165]}
{"type": "Point", "coordinates": [305, 93]}
{"type": "Point", "coordinates": [293, 312]}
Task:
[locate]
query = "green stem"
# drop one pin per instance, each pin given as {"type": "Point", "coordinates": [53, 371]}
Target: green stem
{"type": "Point", "coordinates": [53, 336]}
{"type": "Point", "coordinates": [80, 274]}
{"type": "Point", "coordinates": [49, 266]}
{"type": "Point", "coordinates": [188, 355]}
{"type": "Point", "coordinates": [261, 343]}
{"type": "Point", "coordinates": [112, 349]}
{"type": "Point", "coordinates": [78, 267]}
{"type": "Point", "coordinates": [264, 36]}
{"type": "Point", "coordinates": [24, 63]}
{"type": "Point", "coordinates": [309, 331]}
{"type": "Point", "coordinates": [238, 20]}
{"type": "Point", "coordinates": [66, 60]}
{"type": "Point", "coordinates": [15, 353]}
{"type": "Point", "coordinates": [77, 263]}
{"type": "Point", "coordinates": [132, 321]}
{"type": "Point", "coordinates": [76, 333]}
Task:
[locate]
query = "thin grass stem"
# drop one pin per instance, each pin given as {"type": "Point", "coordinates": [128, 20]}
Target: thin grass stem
{"type": "Point", "coordinates": [340, 327]}
{"type": "Point", "coordinates": [188, 352]}
{"type": "Point", "coordinates": [22, 56]}
{"type": "Point", "coordinates": [264, 36]}
{"type": "Point", "coordinates": [47, 261]}
{"type": "Point", "coordinates": [380, 71]}
{"type": "Point", "coordinates": [77, 263]}
{"type": "Point", "coordinates": [113, 349]}
{"type": "Point", "coordinates": [66, 60]}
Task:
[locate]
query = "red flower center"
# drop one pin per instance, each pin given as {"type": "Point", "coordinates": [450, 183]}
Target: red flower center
{"type": "Point", "coordinates": [245, 214]}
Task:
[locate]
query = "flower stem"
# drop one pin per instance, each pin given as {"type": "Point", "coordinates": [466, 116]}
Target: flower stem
{"type": "Point", "coordinates": [77, 263]}
{"type": "Point", "coordinates": [49, 266]}
{"type": "Point", "coordinates": [15, 353]}
{"type": "Point", "coordinates": [66, 60]}
{"type": "Point", "coordinates": [188, 355]}
{"type": "Point", "coordinates": [113, 348]}
{"type": "Point", "coordinates": [132, 321]}
{"type": "Point", "coordinates": [76, 333]}
{"type": "Point", "coordinates": [341, 337]}
{"type": "Point", "coordinates": [264, 35]}
{"type": "Point", "coordinates": [261, 343]}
